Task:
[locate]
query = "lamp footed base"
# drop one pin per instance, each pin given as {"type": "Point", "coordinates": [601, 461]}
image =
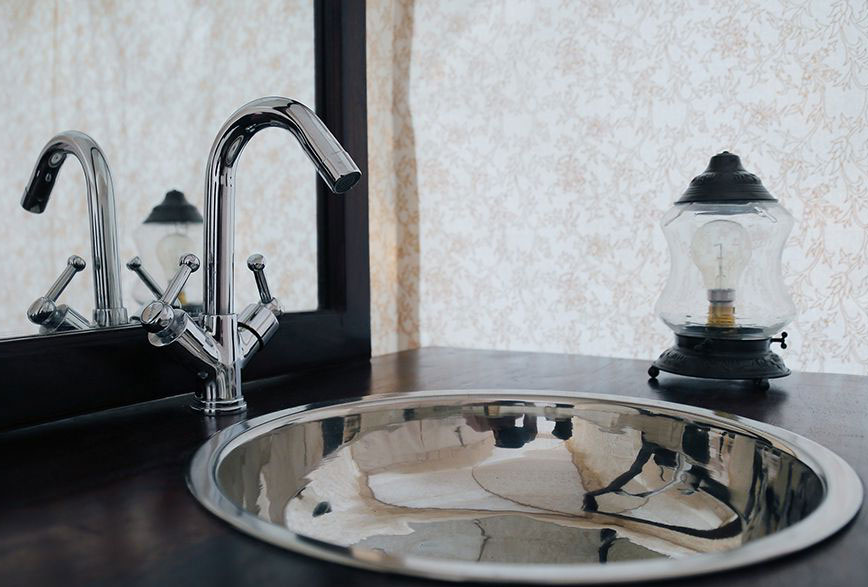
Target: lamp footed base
{"type": "Point", "coordinates": [717, 358]}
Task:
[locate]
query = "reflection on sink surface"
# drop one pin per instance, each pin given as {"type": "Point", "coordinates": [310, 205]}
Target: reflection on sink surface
{"type": "Point", "coordinates": [525, 486]}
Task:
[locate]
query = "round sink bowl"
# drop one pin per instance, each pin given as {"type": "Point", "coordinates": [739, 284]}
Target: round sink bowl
{"type": "Point", "coordinates": [524, 486]}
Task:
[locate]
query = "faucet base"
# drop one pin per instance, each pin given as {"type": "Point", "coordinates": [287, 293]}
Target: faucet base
{"type": "Point", "coordinates": [209, 407]}
{"type": "Point", "coordinates": [103, 317]}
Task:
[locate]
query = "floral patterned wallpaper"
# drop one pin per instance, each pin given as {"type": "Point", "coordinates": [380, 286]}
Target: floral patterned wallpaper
{"type": "Point", "coordinates": [152, 81]}
{"type": "Point", "coordinates": [523, 153]}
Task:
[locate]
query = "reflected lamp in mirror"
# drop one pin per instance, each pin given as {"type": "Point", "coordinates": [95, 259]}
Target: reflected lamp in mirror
{"type": "Point", "coordinates": [725, 297]}
{"type": "Point", "coordinates": [171, 230]}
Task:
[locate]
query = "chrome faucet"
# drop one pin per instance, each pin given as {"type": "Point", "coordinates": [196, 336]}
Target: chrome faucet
{"type": "Point", "coordinates": [225, 341]}
{"type": "Point", "coordinates": [108, 299]}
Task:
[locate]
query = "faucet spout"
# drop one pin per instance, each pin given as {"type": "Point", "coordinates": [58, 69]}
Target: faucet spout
{"type": "Point", "coordinates": [334, 165]}
{"type": "Point", "coordinates": [108, 299]}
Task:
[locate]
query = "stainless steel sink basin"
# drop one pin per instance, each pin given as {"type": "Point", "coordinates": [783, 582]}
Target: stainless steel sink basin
{"type": "Point", "coordinates": [524, 486]}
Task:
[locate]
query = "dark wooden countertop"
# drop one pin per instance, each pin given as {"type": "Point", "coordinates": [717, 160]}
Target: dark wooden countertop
{"type": "Point", "coordinates": [101, 499]}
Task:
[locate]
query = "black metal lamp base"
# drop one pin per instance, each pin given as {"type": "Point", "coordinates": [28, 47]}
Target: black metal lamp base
{"type": "Point", "coordinates": [719, 358]}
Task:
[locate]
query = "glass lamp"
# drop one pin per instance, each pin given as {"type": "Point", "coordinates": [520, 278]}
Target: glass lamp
{"type": "Point", "coordinates": [725, 298]}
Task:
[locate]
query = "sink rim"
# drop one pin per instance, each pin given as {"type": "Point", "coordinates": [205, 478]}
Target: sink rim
{"type": "Point", "coordinates": [843, 494]}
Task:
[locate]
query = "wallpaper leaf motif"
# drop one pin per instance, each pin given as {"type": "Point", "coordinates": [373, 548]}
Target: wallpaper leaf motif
{"type": "Point", "coordinates": [532, 148]}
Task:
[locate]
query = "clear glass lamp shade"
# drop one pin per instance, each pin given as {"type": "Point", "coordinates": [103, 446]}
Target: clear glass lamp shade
{"type": "Point", "coordinates": [725, 275]}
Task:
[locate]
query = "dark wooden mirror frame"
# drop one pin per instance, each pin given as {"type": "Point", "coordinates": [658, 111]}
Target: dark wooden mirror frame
{"type": "Point", "coordinates": [45, 378]}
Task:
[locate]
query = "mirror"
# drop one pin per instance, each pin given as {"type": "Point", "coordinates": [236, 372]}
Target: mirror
{"type": "Point", "coordinates": [152, 86]}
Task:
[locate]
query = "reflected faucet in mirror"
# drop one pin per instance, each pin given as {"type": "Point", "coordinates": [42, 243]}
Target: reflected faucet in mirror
{"type": "Point", "coordinates": [135, 265]}
{"type": "Point", "coordinates": [226, 341]}
{"type": "Point", "coordinates": [45, 312]}
{"type": "Point", "coordinates": [108, 309]}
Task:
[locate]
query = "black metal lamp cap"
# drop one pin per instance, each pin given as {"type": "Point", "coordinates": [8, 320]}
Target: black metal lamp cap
{"type": "Point", "coordinates": [174, 209]}
{"type": "Point", "coordinates": [725, 180]}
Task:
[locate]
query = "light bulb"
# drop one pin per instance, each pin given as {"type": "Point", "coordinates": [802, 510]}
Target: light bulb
{"type": "Point", "coordinates": [721, 250]}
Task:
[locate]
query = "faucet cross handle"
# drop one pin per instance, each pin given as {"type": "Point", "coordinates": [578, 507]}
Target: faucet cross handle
{"type": "Point", "coordinates": [158, 314]}
{"type": "Point", "coordinates": [259, 320]}
{"type": "Point", "coordinates": [73, 265]}
{"type": "Point", "coordinates": [256, 263]}
{"type": "Point", "coordinates": [135, 265]}
{"type": "Point", "coordinates": [45, 311]}
{"type": "Point", "coordinates": [187, 265]}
